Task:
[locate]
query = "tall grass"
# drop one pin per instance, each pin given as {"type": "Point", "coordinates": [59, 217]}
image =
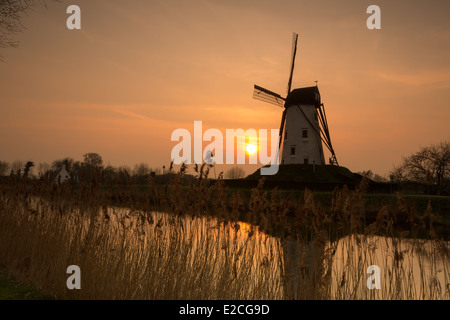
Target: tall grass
{"type": "Point", "coordinates": [177, 242]}
{"type": "Point", "coordinates": [410, 269]}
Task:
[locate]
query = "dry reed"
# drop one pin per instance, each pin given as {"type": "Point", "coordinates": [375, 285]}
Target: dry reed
{"type": "Point", "coordinates": [178, 242]}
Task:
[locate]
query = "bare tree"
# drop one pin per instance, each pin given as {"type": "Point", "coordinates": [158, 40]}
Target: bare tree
{"type": "Point", "coordinates": [373, 176]}
{"type": "Point", "coordinates": [429, 165]}
{"type": "Point", "coordinates": [68, 162]}
{"type": "Point", "coordinates": [141, 169]}
{"type": "Point", "coordinates": [235, 173]}
{"type": "Point", "coordinates": [17, 165]}
{"type": "Point", "coordinates": [43, 168]}
{"type": "Point", "coordinates": [11, 13]}
{"type": "Point", "coordinates": [3, 168]}
{"type": "Point", "coordinates": [93, 159]}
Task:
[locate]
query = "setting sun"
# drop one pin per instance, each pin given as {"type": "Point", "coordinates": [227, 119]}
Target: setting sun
{"type": "Point", "coordinates": [251, 148]}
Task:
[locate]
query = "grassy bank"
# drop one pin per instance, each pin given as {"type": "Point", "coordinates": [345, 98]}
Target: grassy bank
{"type": "Point", "coordinates": [11, 289]}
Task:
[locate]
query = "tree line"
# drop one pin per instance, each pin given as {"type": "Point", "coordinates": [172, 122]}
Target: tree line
{"type": "Point", "coordinates": [91, 168]}
{"type": "Point", "coordinates": [429, 165]}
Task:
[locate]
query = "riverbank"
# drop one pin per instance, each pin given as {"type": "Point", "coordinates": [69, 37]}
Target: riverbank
{"type": "Point", "coordinates": [11, 289]}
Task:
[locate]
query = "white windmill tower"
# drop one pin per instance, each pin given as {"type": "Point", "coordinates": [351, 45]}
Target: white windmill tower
{"type": "Point", "coordinates": [303, 124]}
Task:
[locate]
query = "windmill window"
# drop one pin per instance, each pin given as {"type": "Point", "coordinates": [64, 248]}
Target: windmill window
{"type": "Point", "coordinates": [305, 160]}
{"type": "Point", "coordinates": [293, 151]}
{"type": "Point", "coordinates": [305, 133]}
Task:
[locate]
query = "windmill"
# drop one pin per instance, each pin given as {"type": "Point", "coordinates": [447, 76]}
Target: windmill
{"type": "Point", "coordinates": [303, 125]}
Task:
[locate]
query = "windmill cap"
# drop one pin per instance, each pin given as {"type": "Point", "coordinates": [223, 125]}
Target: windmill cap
{"type": "Point", "coordinates": [304, 96]}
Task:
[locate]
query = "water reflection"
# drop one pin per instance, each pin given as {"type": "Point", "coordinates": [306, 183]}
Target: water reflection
{"type": "Point", "coordinates": [232, 256]}
{"type": "Point", "coordinates": [199, 257]}
{"type": "Point", "coordinates": [264, 267]}
{"type": "Point", "coordinates": [410, 269]}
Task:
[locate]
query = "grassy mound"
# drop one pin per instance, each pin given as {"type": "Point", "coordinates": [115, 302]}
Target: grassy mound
{"type": "Point", "coordinates": [310, 173]}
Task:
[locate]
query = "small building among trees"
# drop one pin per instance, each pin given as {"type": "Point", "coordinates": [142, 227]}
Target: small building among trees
{"type": "Point", "coordinates": [61, 175]}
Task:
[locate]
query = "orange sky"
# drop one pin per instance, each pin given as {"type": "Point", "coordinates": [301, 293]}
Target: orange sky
{"type": "Point", "coordinates": [137, 70]}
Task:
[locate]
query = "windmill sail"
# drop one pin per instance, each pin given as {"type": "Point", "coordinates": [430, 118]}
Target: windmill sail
{"type": "Point", "coordinates": [281, 133]}
{"type": "Point", "coordinates": [294, 52]}
{"type": "Point", "coordinates": [326, 133]}
{"type": "Point", "coordinates": [265, 95]}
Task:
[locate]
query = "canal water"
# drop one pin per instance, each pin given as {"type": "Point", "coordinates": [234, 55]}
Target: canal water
{"type": "Point", "coordinates": [404, 268]}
